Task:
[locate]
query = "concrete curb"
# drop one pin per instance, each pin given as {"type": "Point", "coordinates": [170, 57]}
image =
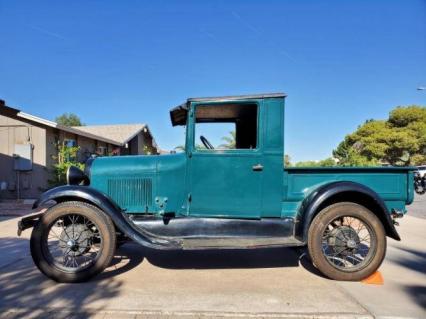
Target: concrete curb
{"type": "Point", "coordinates": [61, 313]}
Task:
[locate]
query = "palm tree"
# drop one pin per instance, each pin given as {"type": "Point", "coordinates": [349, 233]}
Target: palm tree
{"type": "Point", "coordinates": [230, 141]}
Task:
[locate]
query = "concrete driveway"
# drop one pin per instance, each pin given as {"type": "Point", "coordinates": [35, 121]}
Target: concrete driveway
{"type": "Point", "coordinates": [269, 283]}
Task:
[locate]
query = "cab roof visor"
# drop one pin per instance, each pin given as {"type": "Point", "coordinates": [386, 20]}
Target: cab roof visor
{"type": "Point", "coordinates": [178, 114]}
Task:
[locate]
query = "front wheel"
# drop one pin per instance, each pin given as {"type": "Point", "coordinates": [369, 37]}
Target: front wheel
{"type": "Point", "coordinates": [347, 242]}
{"type": "Point", "coordinates": [72, 242]}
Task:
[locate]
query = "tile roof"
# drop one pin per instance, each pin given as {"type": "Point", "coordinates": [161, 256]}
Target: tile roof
{"type": "Point", "coordinates": [120, 133]}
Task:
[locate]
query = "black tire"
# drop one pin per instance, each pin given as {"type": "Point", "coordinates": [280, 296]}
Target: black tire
{"type": "Point", "coordinates": [40, 248]}
{"type": "Point", "coordinates": [320, 227]}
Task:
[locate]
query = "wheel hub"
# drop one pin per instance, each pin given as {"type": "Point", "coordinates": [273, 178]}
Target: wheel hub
{"type": "Point", "coordinates": [344, 240]}
{"type": "Point", "coordinates": [351, 243]}
{"type": "Point", "coordinates": [72, 244]}
{"type": "Point", "coordinates": [76, 239]}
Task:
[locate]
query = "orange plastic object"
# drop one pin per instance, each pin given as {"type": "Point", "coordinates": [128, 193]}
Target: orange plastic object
{"type": "Point", "coordinates": [374, 279]}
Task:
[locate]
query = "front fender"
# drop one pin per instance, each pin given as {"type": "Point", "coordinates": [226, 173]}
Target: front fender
{"type": "Point", "coordinates": [108, 206]}
{"type": "Point", "coordinates": [312, 204]}
{"type": "Point", "coordinates": [76, 192]}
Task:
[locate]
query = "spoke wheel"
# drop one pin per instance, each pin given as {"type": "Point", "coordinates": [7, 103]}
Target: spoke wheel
{"type": "Point", "coordinates": [347, 241]}
{"type": "Point", "coordinates": [73, 241]}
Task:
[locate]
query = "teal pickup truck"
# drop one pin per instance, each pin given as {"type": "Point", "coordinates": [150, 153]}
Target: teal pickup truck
{"type": "Point", "coordinates": [234, 197]}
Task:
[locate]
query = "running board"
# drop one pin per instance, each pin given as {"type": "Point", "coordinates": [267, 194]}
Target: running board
{"type": "Point", "coordinates": [239, 242]}
{"type": "Point", "coordinates": [188, 227]}
{"type": "Point", "coordinates": [191, 233]}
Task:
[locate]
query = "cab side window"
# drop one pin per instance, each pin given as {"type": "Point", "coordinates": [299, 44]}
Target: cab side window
{"type": "Point", "coordinates": [226, 126]}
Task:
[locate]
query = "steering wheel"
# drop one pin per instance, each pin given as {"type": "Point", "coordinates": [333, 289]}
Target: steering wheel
{"type": "Point", "coordinates": [206, 143]}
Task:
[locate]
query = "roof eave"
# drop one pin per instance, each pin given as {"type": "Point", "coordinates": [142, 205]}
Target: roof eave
{"type": "Point", "coordinates": [66, 128]}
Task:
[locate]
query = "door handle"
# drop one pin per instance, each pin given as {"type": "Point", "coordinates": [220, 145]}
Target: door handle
{"type": "Point", "coordinates": [257, 167]}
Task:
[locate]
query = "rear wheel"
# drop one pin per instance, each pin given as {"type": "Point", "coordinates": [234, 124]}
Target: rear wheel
{"type": "Point", "coordinates": [72, 242]}
{"type": "Point", "coordinates": [347, 242]}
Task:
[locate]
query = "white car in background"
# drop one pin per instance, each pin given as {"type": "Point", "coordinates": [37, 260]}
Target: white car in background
{"type": "Point", "coordinates": [422, 170]}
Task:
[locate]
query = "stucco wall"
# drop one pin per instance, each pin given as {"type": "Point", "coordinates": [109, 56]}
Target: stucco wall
{"type": "Point", "coordinates": [17, 132]}
{"type": "Point", "coordinates": [87, 148]}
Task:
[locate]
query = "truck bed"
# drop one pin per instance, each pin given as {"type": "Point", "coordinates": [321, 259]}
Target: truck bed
{"type": "Point", "coordinates": [393, 184]}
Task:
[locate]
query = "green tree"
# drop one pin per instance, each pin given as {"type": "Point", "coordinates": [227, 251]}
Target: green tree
{"type": "Point", "coordinates": [399, 140]}
{"type": "Point", "coordinates": [66, 157]}
{"type": "Point", "coordinates": [230, 141]}
{"type": "Point", "coordinates": [68, 119]}
{"type": "Point", "coordinates": [328, 162]}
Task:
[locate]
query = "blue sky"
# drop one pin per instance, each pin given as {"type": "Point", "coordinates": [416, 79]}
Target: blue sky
{"type": "Point", "coordinates": [340, 62]}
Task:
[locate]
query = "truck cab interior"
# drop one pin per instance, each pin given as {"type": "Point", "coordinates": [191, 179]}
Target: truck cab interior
{"type": "Point", "coordinates": [240, 117]}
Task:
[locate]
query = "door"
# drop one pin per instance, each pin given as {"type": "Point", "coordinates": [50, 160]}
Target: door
{"type": "Point", "coordinates": [225, 161]}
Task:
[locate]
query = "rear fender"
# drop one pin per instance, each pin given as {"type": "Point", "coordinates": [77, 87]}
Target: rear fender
{"type": "Point", "coordinates": [349, 191]}
{"type": "Point", "coordinates": [108, 206]}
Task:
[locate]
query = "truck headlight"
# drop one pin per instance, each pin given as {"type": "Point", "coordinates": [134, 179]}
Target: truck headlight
{"type": "Point", "coordinates": [76, 176]}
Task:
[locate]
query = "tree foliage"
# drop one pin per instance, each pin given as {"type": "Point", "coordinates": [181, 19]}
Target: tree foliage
{"type": "Point", "coordinates": [399, 140]}
{"type": "Point", "coordinates": [66, 157]}
{"type": "Point", "coordinates": [68, 119]}
{"type": "Point", "coordinates": [328, 162]}
{"type": "Point", "coordinates": [230, 141]}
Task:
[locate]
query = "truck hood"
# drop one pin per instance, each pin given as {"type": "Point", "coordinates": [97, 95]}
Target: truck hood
{"type": "Point", "coordinates": [142, 184]}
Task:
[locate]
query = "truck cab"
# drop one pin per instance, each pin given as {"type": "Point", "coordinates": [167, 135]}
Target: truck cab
{"type": "Point", "coordinates": [243, 180]}
{"type": "Point", "coordinates": [238, 195]}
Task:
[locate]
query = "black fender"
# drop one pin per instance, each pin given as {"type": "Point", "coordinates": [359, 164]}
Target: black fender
{"type": "Point", "coordinates": [316, 200]}
{"type": "Point", "coordinates": [108, 206]}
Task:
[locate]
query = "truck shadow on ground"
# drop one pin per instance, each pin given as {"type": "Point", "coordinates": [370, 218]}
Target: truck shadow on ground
{"type": "Point", "coordinates": [414, 260]}
{"type": "Point", "coordinates": [418, 294]}
{"type": "Point", "coordinates": [223, 259]}
{"type": "Point", "coordinates": [231, 259]}
{"type": "Point", "coordinates": [25, 290]}
{"type": "Point", "coordinates": [6, 217]}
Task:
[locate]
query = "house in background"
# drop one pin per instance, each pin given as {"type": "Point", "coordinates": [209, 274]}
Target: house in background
{"type": "Point", "coordinates": [133, 138]}
{"type": "Point", "coordinates": [29, 146]}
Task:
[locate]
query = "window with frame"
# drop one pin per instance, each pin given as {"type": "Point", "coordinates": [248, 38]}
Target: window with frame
{"type": "Point", "coordinates": [101, 150]}
{"type": "Point", "coordinates": [226, 126]}
{"type": "Point", "coordinates": [70, 143]}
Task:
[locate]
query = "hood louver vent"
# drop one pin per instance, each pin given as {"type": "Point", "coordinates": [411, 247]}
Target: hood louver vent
{"type": "Point", "coordinates": [131, 192]}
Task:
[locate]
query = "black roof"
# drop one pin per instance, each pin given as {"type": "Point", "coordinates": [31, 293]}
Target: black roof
{"type": "Point", "coordinates": [236, 97]}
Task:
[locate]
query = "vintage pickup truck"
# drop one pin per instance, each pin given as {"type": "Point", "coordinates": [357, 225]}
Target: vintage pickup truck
{"type": "Point", "coordinates": [220, 198]}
